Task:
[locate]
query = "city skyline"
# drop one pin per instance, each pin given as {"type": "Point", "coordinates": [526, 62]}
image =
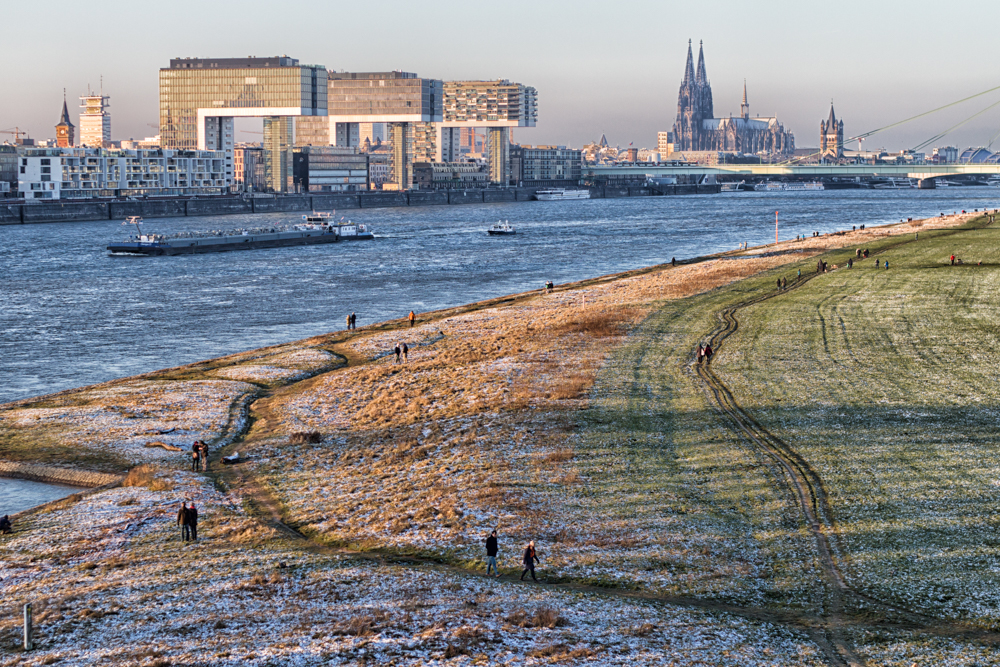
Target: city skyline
{"type": "Point", "coordinates": [878, 63]}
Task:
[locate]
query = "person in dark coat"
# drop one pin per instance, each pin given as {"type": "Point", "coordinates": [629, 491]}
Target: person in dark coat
{"type": "Point", "coordinates": [406, 352]}
{"type": "Point", "coordinates": [193, 522]}
{"type": "Point", "coordinates": [529, 558]}
{"type": "Point", "coordinates": [708, 352]}
{"type": "Point", "coordinates": [195, 456]}
{"type": "Point", "coordinates": [203, 452]}
{"type": "Point", "coordinates": [397, 351]}
{"type": "Point", "coordinates": [6, 527]}
{"type": "Point", "coordinates": [184, 522]}
{"type": "Point", "coordinates": [491, 554]}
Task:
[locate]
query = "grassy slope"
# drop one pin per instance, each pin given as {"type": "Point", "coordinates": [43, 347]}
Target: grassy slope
{"type": "Point", "coordinates": [885, 382]}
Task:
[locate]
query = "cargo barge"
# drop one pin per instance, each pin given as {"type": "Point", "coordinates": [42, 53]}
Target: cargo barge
{"type": "Point", "coordinates": [315, 229]}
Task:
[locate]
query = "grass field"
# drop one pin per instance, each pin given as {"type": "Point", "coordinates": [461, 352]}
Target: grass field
{"type": "Point", "coordinates": [885, 381]}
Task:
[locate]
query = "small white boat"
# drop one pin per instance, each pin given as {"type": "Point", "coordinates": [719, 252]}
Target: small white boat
{"type": "Point", "coordinates": [559, 194]}
{"type": "Point", "coordinates": [501, 229]}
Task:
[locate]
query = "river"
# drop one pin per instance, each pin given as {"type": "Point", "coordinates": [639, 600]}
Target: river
{"type": "Point", "coordinates": [17, 495]}
{"type": "Point", "coordinates": [71, 315]}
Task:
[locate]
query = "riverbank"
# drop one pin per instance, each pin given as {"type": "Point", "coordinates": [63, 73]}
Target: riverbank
{"type": "Point", "coordinates": [543, 414]}
{"type": "Point", "coordinates": [179, 207]}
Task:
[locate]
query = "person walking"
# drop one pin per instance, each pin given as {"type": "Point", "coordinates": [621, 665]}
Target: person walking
{"type": "Point", "coordinates": [184, 522]}
{"type": "Point", "coordinates": [397, 351]}
{"type": "Point", "coordinates": [784, 283]}
{"type": "Point", "coordinates": [193, 522]}
{"type": "Point", "coordinates": [886, 265]}
{"type": "Point", "coordinates": [348, 322]}
{"type": "Point", "coordinates": [491, 554]}
{"type": "Point", "coordinates": [708, 352]}
{"type": "Point", "coordinates": [195, 458]}
{"type": "Point", "coordinates": [850, 262]}
{"type": "Point", "coordinates": [6, 527]}
{"type": "Point", "coordinates": [204, 455]}
{"type": "Point", "coordinates": [953, 260]}
{"type": "Point", "coordinates": [530, 558]}
{"type": "Point", "coordinates": [799, 274]}
{"type": "Point", "coordinates": [876, 263]}
{"type": "Point", "coordinates": [413, 318]}
{"type": "Point", "coordinates": [701, 352]}
{"type": "Point", "coordinates": [673, 261]}
{"type": "Point", "coordinates": [779, 283]}
{"type": "Point", "coordinates": [406, 353]}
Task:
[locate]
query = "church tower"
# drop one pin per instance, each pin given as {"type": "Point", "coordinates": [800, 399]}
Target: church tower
{"type": "Point", "coordinates": [694, 104]}
{"type": "Point", "coordinates": [745, 106]}
{"type": "Point", "coordinates": [65, 130]}
{"type": "Point", "coordinates": [831, 137]}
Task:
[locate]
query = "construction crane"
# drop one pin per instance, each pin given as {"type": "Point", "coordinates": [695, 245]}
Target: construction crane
{"type": "Point", "coordinates": [17, 132]}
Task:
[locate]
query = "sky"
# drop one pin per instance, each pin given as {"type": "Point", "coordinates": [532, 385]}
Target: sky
{"type": "Point", "coordinates": [599, 67]}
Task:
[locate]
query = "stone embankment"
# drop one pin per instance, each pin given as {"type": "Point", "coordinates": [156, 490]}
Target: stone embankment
{"type": "Point", "coordinates": [82, 211]}
{"type": "Point", "coordinates": [56, 474]}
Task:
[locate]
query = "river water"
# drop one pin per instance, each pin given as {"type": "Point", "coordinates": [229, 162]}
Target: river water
{"type": "Point", "coordinates": [70, 314]}
{"type": "Point", "coordinates": [17, 495]}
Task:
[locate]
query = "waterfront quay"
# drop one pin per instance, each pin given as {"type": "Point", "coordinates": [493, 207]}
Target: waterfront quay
{"type": "Point", "coordinates": [81, 211]}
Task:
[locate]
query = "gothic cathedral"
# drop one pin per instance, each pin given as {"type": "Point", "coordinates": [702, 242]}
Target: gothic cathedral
{"type": "Point", "coordinates": [697, 129]}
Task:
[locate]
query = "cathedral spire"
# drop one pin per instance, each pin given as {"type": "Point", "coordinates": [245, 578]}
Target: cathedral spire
{"type": "Point", "coordinates": [832, 120]}
{"type": "Point", "coordinates": [689, 68]}
{"type": "Point", "coordinates": [745, 106]}
{"type": "Point", "coordinates": [701, 77]}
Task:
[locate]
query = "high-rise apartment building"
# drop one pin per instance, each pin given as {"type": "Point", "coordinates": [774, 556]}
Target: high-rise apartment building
{"type": "Point", "coordinates": [200, 97]}
{"type": "Point", "coordinates": [95, 121]}
{"type": "Point", "coordinates": [496, 106]}
{"type": "Point", "coordinates": [248, 168]}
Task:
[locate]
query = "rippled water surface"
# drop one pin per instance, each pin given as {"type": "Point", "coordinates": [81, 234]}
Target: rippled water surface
{"type": "Point", "coordinates": [70, 314]}
{"type": "Point", "coordinates": [17, 495]}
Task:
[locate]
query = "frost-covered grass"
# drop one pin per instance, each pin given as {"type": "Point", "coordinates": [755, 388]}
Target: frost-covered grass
{"type": "Point", "coordinates": [132, 421]}
{"type": "Point", "coordinates": [885, 381]}
{"type": "Point", "coordinates": [111, 584]}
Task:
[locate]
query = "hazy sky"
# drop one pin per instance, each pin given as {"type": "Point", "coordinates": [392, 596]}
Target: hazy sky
{"type": "Point", "coordinates": [599, 67]}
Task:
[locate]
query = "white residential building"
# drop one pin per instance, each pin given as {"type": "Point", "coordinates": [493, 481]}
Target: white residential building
{"type": "Point", "coordinates": [80, 173]}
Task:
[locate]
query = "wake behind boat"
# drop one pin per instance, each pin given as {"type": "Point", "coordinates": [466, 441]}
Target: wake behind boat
{"type": "Point", "coordinates": [317, 229]}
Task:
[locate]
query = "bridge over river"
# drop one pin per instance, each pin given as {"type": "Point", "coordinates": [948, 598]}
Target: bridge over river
{"type": "Point", "coordinates": [924, 172]}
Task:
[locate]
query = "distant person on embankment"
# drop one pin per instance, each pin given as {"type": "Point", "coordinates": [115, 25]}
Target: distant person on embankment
{"type": "Point", "coordinates": [348, 322]}
{"type": "Point", "coordinates": [491, 554]}
{"type": "Point", "coordinates": [406, 352]}
{"type": "Point", "coordinates": [195, 456]}
{"type": "Point", "coordinates": [530, 558]}
{"type": "Point", "coordinates": [953, 260]}
{"type": "Point", "coordinates": [397, 351]}
{"type": "Point", "coordinates": [412, 318]}
{"type": "Point", "coordinates": [193, 522]}
{"type": "Point", "coordinates": [6, 527]}
{"type": "Point", "coordinates": [184, 522]}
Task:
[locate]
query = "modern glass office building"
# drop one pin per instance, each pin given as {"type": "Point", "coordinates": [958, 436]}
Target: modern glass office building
{"type": "Point", "coordinates": [200, 97]}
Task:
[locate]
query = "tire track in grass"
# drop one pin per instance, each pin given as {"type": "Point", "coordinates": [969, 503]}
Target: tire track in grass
{"type": "Point", "coordinates": [808, 489]}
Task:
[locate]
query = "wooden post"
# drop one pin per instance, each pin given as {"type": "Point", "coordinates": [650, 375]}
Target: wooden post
{"type": "Point", "coordinates": [28, 644]}
{"type": "Point", "coordinates": [775, 228]}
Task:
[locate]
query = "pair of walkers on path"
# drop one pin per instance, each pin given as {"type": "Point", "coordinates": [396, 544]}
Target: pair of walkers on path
{"type": "Point", "coordinates": [199, 456]}
{"type": "Point", "coordinates": [705, 352]}
{"type": "Point", "coordinates": [352, 321]}
{"type": "Point", "coordinates": [529, 558]}
{"type": "Point", "coordinates": [187, 519]}
{"type": "Point", "coordinates": [401, 349]}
